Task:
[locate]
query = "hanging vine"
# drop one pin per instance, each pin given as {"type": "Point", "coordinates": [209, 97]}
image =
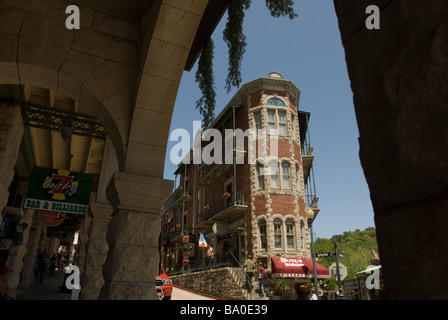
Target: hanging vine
{"type": "Point", "coordinates": [236, 42]}
{"type": "Point", "coordinates": [206, 80]}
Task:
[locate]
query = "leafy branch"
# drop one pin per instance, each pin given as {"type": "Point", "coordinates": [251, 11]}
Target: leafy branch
{"type": "Point", "coordinates": [236, 42]}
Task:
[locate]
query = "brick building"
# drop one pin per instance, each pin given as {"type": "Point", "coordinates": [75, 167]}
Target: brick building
{"type": "Point", "coordinates": [245, 205]}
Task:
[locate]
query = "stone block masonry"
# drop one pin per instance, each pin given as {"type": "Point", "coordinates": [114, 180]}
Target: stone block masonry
{"type": "Point", "coordinates": [223, 283]}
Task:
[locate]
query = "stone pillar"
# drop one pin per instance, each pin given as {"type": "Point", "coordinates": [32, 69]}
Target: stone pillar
{"type": "Point", "coordinates": [83, 237]}
{"type": "Point", "coordinates": [96, 252]}
{"type": "Point", "coordinates": [400, 85]}
{"type": "Point", "coordinates": [15, 258]}
{"type": "Point", "coordinates": [11, 132]}
{"type": "Point", "coordinates": [32, 247]}
{"type": "Point", "coordinates": [133, 236]}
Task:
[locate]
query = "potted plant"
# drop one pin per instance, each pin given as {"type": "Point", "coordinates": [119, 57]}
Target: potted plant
{"type": "Point", "coordinates": [282, 288]}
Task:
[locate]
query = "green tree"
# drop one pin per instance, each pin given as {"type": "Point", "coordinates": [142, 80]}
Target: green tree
{"type": "Point", "coordinates": [355, 245]}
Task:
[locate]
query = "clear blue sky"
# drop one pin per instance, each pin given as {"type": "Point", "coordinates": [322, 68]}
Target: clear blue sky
{"type": "Point", "coordinates": [307, 51]}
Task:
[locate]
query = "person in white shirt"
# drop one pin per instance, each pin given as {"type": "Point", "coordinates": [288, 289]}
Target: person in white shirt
{"type": "Point", "coordinates": [313, 295]}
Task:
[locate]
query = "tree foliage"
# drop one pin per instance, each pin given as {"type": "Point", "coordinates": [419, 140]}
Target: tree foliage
{"type": "Point", "coordinates": [236, 42]}
{"type": "Point", "coordinates": [355, 245]}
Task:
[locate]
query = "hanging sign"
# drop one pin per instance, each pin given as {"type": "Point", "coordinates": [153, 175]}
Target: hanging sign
{"type": "Point", "coordinates": [52, 218]}
{"type": "Point", "coordinates": [202, 241]}
{"type": "Point", "coordinates": [58, 190]}
{"type": "Point", "coordinates": [220, 228]}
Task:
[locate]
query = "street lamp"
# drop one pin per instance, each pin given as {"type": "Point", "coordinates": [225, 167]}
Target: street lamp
{"type": "Point", "coordinates": [310, 216]}
{"type": "Point", "coordinates": [67, 128]}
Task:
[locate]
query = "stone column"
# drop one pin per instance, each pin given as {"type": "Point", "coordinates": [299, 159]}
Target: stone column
{"type": "Point", "coordinates": [133, 236]}
{"type": "Point", "coordinates": [83, 237]}
{"type": "Point", "coordinates": [32, 247]}
{"type": "Point", "coordinates": [15, 258]}
{"type": "Point", "coordinates": [11, 132]}
{"type": "Point", "coordinates": [96, 252]}
{"type": "Point", "coordinates": [399, 80]}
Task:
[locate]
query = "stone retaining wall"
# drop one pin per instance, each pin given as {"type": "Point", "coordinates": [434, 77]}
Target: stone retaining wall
{"type": "Point", "coordinates": [222, 283]}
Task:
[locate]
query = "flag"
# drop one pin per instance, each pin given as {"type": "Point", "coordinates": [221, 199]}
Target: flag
{"type": "Point", "coordinates": [375, 255]}
{"type": "Point", "coordinates": [202, 241]}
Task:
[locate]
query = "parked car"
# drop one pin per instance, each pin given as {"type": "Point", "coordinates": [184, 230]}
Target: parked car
{"type": "Point", "coordinates": [164, 286]}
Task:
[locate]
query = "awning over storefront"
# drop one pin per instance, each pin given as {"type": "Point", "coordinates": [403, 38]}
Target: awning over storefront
{"type": "Point", "coordinates": [297, 268]}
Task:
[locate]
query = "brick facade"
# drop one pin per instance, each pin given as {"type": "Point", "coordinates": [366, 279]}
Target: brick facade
{"type": "Point", "coordinates": [284, 204]}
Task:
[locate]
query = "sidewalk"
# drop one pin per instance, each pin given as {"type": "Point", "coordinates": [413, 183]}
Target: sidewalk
{"type": "Point", "coordinates": [47, 290]}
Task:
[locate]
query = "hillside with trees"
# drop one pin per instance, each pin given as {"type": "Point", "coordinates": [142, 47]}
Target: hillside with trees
{"type": "Point", "coordinates": [356, 246]}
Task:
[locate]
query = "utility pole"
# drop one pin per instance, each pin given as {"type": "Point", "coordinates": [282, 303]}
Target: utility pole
{"type": "Point", "coordinates": [341, 294]}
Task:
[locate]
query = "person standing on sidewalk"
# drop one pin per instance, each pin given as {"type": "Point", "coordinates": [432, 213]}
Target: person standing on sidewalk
{"type": "Point", "coordinates": [44, 260]}
{"type": "Point", "coordinates": [261, 274]}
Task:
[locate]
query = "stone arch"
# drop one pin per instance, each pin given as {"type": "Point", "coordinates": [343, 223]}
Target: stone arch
{"type": "Point", "coordinates": [39, 77]}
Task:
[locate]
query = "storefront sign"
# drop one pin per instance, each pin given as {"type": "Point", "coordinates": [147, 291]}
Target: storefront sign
{"type": "Point", "coordinates": [188, 238]}
{"type": "Point", "coordinates": [52, 218]}
{"type": "Point", "coordinates": [220, 228]}
{"type": "Point", "coordinates": [58, 190]}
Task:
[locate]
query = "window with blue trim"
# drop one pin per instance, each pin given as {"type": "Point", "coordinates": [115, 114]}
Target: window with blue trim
{"type": "Point", "coordinates": [276, 102]}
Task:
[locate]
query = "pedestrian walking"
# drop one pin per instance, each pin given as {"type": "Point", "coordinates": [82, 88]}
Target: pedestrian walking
{"type": "Point", "coordinates": [53, 263]}
{"type": "Point", "coordinates": [261, 274]}
{"type": "Point", "coordinates": [249, 265]}
{"type": "Point", "coordinates": [185, 264]}
{"type": "Point", "coordinates": [210, 255]}
{"type": "Point", "coordinates": [44, 260]}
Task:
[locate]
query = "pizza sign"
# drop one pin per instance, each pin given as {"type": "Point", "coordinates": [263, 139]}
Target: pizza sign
{"type": "Point", "coordinates": [58, 190]}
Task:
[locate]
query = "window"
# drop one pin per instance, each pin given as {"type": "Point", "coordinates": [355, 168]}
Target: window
{"type": "Point", "coordinates": [277, 121]}
{"type": "Point", "coordinates": [274, 174]}
{"type": "Point", "coordinates": [286, 175]}
{"type": "Point", "coordinates": [290, 234]}
{"type": "Point", "coordinates": [282, 123]}
{"type": "Point", "coordinates": [276, 102]}
{"type": "Point", "coordinates": [271, 122]}
{"type": "Point", "coordinates": [260, 175]}
{"type": "Point", "coordinates": [277, 233]}
{"type": "Point", "coordinates": [263, 235]}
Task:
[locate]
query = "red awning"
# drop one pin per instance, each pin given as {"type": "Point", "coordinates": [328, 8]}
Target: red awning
{"type": "Point", "coordinates": [297, 268]}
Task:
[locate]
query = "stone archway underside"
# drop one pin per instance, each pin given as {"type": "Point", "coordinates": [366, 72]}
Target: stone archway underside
{"type": "Point", "coordinates": [398, 76]}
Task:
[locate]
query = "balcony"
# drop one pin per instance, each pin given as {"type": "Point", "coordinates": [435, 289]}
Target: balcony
{"type": "Point", "coordinates": [178, 195]}
{"type": "Point", "coordinates": [222, 210]}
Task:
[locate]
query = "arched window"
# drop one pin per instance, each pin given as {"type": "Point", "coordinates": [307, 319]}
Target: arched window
{"type": "Point", "coordinates": [286, 175]}
{"type": "Point", "coordinates": [263, 235]}
{"type": "Point", "coordinates": [290, 234]}
{"type": "Point", "coordinates": [276, 102]}
{"type": "Point", "coordinates": [278, 234]}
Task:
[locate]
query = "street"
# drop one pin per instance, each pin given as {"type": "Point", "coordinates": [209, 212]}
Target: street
{"type": "Point", "coordinates": [180, 294]}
